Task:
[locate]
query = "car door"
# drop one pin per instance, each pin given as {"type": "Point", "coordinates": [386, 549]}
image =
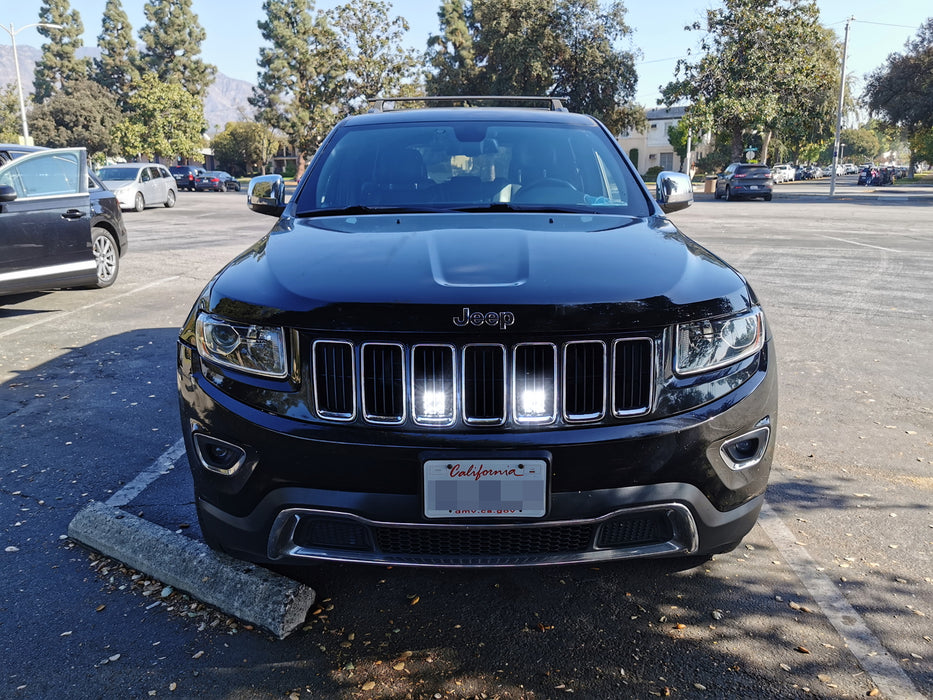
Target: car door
{"type": "Point", "coordinates": [149, 185]}
{"type": "Point", "coordinates": [722, 179]}
{"type": "Point", "coordinates": [45, 222]}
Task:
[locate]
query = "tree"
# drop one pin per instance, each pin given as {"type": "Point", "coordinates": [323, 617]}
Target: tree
{"type": "Point", "coordinates": [516, 46]}
{"type": "Point", "coordinates": [302, 77]}
{"type": "Point", "coordinates": [11, 125]}
{"type": "Point", "coordinates": [597, 78]}
{"type": "Point", "coordinates": [450, 54]}
{"type": "Point", "coordinates": [806, 119]}
{"type": "Point", "coordinates": [83, 114]}
{"type": "Point", "coordinates": [901, 91]}
{"type": "Point", "coordinates": [743, 79]}
{"type": "Point", "coordinates": [921, 146]}
{"type": "Point", "coordinates": [117, 67]}
{"type": "Point", "coordinates": [532, 47]}
{"type": "Point", "coordinates": [861, 145]}
{"type": "Point", "coordinates": [245, 147]}
{"type": "Point", "coordinates": [162, 119]}
{"type": "Point", "coordinates": [59, 63]}
{"type": "Point", "coordinates": [172, 50]}
{"type": "Point", "coordinates": [677, 137]}
{"type": "Point", "coordinates": [378, 63]}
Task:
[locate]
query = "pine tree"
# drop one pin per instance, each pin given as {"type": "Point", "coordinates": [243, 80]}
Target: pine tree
{"type": "Point", "coordinates": [59, 64]}
{"type": "Point", "coordinates": [116, 69]}
{"type": "Point", "coordinates": [302, 78]}
{"type": "Point", "coordinates": [173, 45]}
{"type": "Point", "coordinates": [379, 65]}
{"type": "Point", "coordinates": [450, 54]}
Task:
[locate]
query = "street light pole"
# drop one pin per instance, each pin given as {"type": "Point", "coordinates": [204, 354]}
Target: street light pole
{"type": "Point", "coordinates": [842, 93]}
{"type": "Point", "coordinates": [19, 82]}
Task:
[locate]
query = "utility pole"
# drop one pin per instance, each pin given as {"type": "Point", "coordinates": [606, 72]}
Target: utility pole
{"type": "Point", "coordinates": [842, 94]}
{"type": "Point", "coordinates": [19, 82]}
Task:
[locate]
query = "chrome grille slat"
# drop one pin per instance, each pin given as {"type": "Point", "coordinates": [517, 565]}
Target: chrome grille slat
{"type": "Point", "coordinates": [584, 380]}
{"type": "Point", "coordinates": [483, 384]}
{"type": "Point", "coordinates": [632, 376]}
{"type": "Point", "coordinates": [433, 384]}
{"type": "Point", "coordinates": [383, 382]}
{"type": "Point", "coordinates": [334, 379]}
{"type": "Point", "coordinates": [534, 383]}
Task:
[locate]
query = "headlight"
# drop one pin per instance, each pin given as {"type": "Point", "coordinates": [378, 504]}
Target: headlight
{"type": "Point", "coordinates": [712, 343]}
{"type": "Point", "coordinates": [254, 349]}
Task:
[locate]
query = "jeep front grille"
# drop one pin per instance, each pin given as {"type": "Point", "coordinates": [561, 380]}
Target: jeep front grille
{"type": "Point", "coordinates": [482, 384]}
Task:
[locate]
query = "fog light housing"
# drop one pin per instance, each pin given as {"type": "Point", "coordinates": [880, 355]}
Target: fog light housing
{"type": "Point", "coordinates": [218, 456]}
{"type": "Point", "coordinates": [745, 450]}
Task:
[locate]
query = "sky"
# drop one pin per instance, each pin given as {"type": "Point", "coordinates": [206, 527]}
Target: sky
{"type": "Point", "coordinates": [233, 39]}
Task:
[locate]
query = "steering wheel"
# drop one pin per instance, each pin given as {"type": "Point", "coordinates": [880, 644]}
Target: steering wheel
{"type": "Point", "coordinates": [548, 190]}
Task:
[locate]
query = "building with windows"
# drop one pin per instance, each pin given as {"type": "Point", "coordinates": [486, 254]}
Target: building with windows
{"type": "Point", "coordinates": [652, 148]}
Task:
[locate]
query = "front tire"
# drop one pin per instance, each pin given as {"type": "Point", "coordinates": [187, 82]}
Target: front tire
{"type": "Point", "coordinates": [170, 199]}
{"type": "Point", "coordinates": [139, 203]}
{"type": "Point", "coordinates": [728, 194]}
{"type": "Point", "coordinates": [106, 255]}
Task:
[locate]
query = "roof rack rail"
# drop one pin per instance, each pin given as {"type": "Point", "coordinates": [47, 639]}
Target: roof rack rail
{"type": "Point", "coordinates": [554, 104]}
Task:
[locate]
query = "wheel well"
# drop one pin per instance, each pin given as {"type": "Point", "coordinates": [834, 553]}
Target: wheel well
{"type": "Point", "coordinates": [104, 224]}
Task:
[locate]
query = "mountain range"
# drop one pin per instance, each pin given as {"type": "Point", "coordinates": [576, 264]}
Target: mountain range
{"type": "Point", "coordinates": [226, 99]}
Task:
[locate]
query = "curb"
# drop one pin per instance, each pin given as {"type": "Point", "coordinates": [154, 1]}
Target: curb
{"type": "Point", "coordinates": [247, 591]}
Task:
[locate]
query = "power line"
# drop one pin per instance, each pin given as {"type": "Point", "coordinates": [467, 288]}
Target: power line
{"type": "Point", "coordinates": [883, 24]}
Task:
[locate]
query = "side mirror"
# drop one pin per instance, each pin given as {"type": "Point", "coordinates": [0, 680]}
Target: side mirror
{"type": "Point", "coordinates": [266, 195]}
{"type": "Point", "coordinates": [674, 191]}
{"type": "Point", "coordinates": [7, 194]}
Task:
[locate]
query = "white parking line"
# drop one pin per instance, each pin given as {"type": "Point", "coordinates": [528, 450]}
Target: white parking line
{"type": "Point", "coordinates": [866, 245]}
{"type": "Point", "coordinates": [163, 465]}
{"type": "Point", "coordinates": [884, 670]}
{"type": "Point", "coordinates": [62, 314]}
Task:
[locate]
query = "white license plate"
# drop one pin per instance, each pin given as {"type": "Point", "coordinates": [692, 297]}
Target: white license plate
{"type": "Point", "coordinates": [753, 187]}
{"type": "Point", "coordinates": [490, 488]}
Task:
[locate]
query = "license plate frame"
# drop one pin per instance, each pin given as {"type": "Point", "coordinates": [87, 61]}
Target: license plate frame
{"type": "Point", "coordinates": [484, 488]}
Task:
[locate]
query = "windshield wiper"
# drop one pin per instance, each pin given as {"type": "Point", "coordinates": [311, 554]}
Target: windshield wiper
{"type": "Point", "coordinates": [361, 210]}
{"type": "Point", "coordinates": [528, 208]}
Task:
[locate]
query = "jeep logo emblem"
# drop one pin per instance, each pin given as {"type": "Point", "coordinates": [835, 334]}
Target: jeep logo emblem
{"type": "Point", "coordinates": [502, 319]}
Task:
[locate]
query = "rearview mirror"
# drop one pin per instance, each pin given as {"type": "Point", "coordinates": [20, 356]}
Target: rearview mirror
{"type": "Point", "coordinates": [266, 195]}
{"type": "Point", "coordinates": [674, 191]}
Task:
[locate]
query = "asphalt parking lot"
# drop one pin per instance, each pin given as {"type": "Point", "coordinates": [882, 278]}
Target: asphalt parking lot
{"type": "Point", "coordinates": [831, 595]}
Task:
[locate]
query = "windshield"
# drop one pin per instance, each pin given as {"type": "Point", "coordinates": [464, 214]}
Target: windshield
{"type": "Point", "coordinates": [472, 165]}
{"type": "Point", "coordinates": [112, 174]}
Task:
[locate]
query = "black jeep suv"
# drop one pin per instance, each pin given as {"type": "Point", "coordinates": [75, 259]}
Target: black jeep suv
{"type": "Point", "coordinates": [186, 176]}
{"type": "Point", "coordinates": [473, 338]}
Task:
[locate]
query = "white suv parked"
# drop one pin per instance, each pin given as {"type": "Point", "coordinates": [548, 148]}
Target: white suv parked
{"type": "Point", "coordinates": [782, 173]}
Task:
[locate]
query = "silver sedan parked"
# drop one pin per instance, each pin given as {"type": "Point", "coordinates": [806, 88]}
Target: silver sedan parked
{"type": "Point", "coordinates": [138, 185]}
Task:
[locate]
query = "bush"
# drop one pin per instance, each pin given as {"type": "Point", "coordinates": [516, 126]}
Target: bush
{"type": "Point", "coordinates": [652, 173]}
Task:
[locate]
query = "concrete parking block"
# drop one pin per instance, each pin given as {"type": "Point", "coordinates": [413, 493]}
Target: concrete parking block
{"type": "Point", "coordinates": [246, 591]}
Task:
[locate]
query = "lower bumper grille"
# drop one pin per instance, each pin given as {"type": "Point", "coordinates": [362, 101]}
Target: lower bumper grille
{"type": "Point", "coordinates": [484, 542]}
{"type": "Point", "coordinates": [320, 535]}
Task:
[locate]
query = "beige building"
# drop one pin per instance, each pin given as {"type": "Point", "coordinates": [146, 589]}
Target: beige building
{"type": "Point", "coordinates": [652, 147]}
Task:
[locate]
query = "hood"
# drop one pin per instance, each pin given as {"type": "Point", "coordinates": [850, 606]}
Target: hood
{"type": "Point", "coordinates": [420, 271]}
{"type": "Point", "coordinates": [115, 185]}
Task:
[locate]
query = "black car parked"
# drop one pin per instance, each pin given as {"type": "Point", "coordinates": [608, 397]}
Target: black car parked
{"type": "Point", "coordinates": [216, 181]}
{"type": "Point", "coordinates": [744, 181]}
{"type": "Point", "coordinates": [59, 225]}
{"type": "Point", "coordinates": [473, 338]}
{"type": "Point", "coordinates": [186, 176]}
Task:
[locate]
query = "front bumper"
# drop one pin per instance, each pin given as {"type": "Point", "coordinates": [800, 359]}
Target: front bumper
{"type": "Point", "coordinates": [305, 491]}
